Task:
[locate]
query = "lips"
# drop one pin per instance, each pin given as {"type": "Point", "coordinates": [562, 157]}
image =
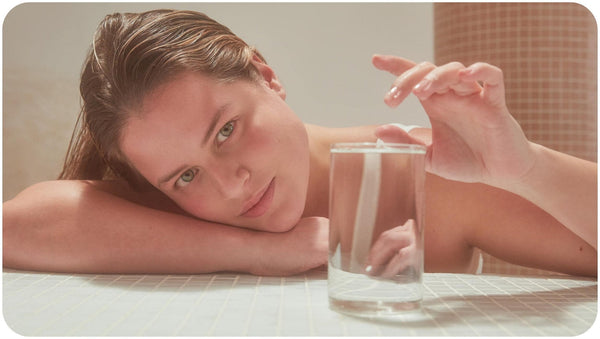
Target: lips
{"type": "Point", "coordinates": [260, 202]}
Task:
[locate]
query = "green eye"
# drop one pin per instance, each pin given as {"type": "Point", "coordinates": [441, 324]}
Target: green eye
{"type": "Point", "coordinates": [186, 178]}
{"type": "Point", "coordinates": [225, 132]}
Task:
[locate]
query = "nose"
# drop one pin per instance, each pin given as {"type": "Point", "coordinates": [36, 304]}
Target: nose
{"type": "Point", "coordinates": [230, 179]}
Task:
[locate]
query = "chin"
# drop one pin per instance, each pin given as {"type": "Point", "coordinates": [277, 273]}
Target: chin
{"type": "Point", "coordinates": [282, 220]}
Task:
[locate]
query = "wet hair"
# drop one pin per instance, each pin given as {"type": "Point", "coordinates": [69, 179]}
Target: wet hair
{"type": "Point", "coordinates": [132, 54]}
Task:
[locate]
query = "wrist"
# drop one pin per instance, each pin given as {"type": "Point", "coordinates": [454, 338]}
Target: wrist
{"type": "Point", "coordinates": [539, 175]}
{"type": "Point", "coordinates": [523, 171]}
{"type": "Point", "coordinates": [255, 246]}
{"type": "Point", "coordinates": [563, 186]}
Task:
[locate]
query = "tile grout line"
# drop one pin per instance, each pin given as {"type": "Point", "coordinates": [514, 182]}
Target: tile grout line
{"type": "Point", "coordinates": [485, 313]}
{"type": "Point", "coordinates": [546, 289]}
{"type": "Point", "coordinates": [96, 313]}
{"type": "Point", "coordinates": [311, 325]}
{"type": "Point", "coordinates": [134, 307]}
{"type": "Point", "coordinates": [280, 308]}
{"type": "Point", "coordinates": [252, 306]}
{"type": "Point", "coordinates": [223, 306]}
{"type": "Point", "coordinates": [46, 290]}
{"type": "Point", "coordinates": [164, 306]}
{"type": "Point", "coordinates": [196, 303]}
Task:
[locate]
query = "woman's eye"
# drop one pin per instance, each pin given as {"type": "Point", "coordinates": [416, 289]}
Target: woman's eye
{"type": "Point", "coordinates": [185, 178]}
{"type": "Point", "coordinates": [225, 132]}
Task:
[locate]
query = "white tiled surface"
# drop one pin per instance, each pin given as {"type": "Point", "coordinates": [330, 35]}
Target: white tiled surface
{"type": "Point", "coordinates": [240, 305]}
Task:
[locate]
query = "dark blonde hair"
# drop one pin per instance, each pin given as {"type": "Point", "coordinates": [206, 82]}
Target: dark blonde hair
{"type": "Point", "coordinates": [131, 54]}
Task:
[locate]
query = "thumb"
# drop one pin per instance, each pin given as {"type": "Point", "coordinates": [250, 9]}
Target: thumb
{"type": "Point", "coordinates": [395, 134]}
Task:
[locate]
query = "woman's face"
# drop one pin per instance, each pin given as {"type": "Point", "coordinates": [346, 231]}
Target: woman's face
{"type": "Point", "coordinates": [231, 153]}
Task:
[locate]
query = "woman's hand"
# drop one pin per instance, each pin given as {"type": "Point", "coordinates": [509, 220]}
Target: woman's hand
{"type": "Point", "coordinates": [474, 137]}
{"type": "Point", "coordinates": [394, 251]}
{"type": "Point", "coordinates": [300, 249]}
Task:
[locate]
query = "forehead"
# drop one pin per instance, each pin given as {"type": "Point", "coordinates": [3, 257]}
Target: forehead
{"type": "Point", "coordinates": [170, 115]}
{"type": "Point", "coordinates": [174, 118]}
{"type": "Point", "coordinates": [169, 106]}
{"type": "Point", "coordinates": [176, 92]}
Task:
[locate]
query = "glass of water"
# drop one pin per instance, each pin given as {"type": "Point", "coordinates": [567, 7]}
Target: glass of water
{"type": "Point", "coordinates": [376, 202]}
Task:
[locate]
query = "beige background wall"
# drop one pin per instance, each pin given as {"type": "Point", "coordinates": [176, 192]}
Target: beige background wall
{"type": "Point", "coordinates": [321, 53]}
{"type": "Point", "coordinates": [548, 54]}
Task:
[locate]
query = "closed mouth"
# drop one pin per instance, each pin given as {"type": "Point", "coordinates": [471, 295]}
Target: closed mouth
{"type": "Point", "coordinates": [260, 203]}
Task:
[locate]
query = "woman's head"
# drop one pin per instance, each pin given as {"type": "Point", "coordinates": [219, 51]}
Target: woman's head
{"type": "Point", "coordinates": [132, 53]}
{"type": "Point", "coordinates": [135, 57]}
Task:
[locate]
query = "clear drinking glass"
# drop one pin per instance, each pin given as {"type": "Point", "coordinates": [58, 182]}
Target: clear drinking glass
{"type": "Point", "coordinates": [376, 202]}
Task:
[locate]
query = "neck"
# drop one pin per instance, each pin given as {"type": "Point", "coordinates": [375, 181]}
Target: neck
{"type": "Point", "coordinates": [320, 139]}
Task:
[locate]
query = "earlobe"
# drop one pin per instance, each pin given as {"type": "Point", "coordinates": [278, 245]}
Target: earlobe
{"type": "Point", "coordinates": [269, 78]}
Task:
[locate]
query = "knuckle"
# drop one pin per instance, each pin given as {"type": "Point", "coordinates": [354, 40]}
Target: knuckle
{"type": "Point", "coordinates": [426, 64]}
{"type": "Point", "coordinates": [455, 64]}
{"type": "Point", "coordinates": [480, 64]}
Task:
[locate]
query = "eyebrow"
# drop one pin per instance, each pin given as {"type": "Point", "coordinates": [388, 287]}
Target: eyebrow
{"type": "Point", "coordinates": [170, 176]}
{"type": "Point", "coordinates": [213, 124]}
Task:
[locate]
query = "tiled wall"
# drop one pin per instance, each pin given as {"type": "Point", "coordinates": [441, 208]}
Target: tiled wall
{"type": "Point", "coordinates": [548, 54]}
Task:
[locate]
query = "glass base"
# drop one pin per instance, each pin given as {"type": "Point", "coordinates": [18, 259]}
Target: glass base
{"type": "Point", "coordinates": [376, 309]}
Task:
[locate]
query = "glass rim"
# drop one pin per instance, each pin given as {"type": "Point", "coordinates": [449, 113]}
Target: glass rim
{"type": "Point", "coordinates": [361, 147]}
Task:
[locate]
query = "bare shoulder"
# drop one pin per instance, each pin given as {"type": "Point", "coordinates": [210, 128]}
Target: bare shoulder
{"type": "Point", "coordinates": [328, 135]}
{"type": "Point", "coordinates": [447, 215]}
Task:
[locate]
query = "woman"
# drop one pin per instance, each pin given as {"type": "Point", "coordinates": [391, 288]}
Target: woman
{"type": "Point", "coordinates": [187, 160]}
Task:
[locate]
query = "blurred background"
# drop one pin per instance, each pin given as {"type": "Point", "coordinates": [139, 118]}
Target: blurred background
{"type": "Point", "coordinates": [321, 52]}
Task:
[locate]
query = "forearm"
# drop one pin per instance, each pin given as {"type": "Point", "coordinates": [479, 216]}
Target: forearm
{"type": "Point", "coordinates": [80, 229]}
{"type": "Point", "coordinates": [566, 188]}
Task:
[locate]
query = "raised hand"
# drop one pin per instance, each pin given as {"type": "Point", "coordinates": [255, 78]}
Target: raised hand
{"type": "Point", "coordinates": [474, 136]}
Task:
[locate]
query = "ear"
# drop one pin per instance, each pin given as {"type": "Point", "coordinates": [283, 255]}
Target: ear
{"type": "Point", "coordinates": [269, 78]}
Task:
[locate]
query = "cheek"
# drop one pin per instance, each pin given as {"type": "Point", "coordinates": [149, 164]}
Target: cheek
{"type": "Point", "coordinates": [259, 147]}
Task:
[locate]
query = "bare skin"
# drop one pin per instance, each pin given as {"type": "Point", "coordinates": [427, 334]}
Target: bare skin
{"type": "Point", "coordinates": [146, 232]}
{"type": "Point", "coordinates": [457, 225]}
{"type": "Point", "coordinates": [507, 204]}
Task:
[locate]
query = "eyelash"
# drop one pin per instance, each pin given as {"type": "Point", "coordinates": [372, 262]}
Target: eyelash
{"type": "Point", "coordinates": [231, 126]}
{"type": "Point", "coordinates": [180, 183]}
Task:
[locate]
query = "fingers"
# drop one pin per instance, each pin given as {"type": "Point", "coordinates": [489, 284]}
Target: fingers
{"type": "Point", "coordinates": [388, 245]}
{"type": "Point", "coordinates": [393, 64]}
{"type": "Point", "coordinates": [392, 251]}
{"type": "Point", "coordinates": [404, 84]}
{"type": "Point", "coordinates": [444, 79]}
{"type": "Point", "coordinates": [395, 134]}
{"type": "Point", "coordinates": [425, 79]}
{"type": "Point", "coordinates": [409, 73]}
{"type": "Point", "coordinates": [402, 260]}
{"type": "Point", "coordinates": [492, 79]}
{"type": "Point", "coordinates": [395, 263]}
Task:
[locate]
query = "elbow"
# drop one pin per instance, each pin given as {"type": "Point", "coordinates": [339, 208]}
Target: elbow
{"type": "Point", "coordinates": [12, 253]}
{"type": "Point", "coordinates": [28, 225]}
{"type": "Point", "coordinates": [591, 263]}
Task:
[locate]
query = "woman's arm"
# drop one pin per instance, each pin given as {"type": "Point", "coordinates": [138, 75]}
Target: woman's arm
{"type": "Point", "coordinates": [475, 139]}
{"type": "Point", "coordinates": [500, 223]}
{"type": "Point", "coordinates": [74, 226]}
{"type": "Point", "coordinates": [565, 187]}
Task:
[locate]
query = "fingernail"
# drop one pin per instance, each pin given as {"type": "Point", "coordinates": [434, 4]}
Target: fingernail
{"type": "Point", "coordinates": [394, 93]}
{"type": "Point", "coordinates": [422, 86]}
